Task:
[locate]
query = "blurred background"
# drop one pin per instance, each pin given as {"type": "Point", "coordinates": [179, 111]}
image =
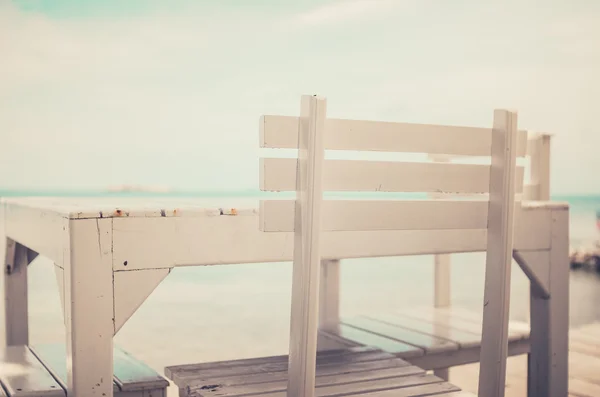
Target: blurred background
{"type": "Point", "coordinates": [95, 95]}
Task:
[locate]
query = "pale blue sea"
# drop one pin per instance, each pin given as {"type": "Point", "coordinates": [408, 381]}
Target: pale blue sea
{"type": "Point", "coordinates": [225, 312]}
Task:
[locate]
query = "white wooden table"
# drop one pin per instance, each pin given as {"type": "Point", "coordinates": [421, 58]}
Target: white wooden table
{"type": "Point", "coordinates": [109, 256]}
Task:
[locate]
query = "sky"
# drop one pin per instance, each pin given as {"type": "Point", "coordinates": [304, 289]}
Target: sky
{"type": "Point", "coordinates": [101, 93]}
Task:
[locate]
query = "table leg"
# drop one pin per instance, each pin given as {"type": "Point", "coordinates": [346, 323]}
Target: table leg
{"type": "Point", "coordinates": [549, 357]}
{"type": "Point", "coordinates": [15, 294]}
{"type": "Point", "coordinates": [88, 300]}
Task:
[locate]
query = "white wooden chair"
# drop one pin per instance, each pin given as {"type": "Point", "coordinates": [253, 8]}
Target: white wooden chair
{"type": "Point", "coordinates": [312, 218]}
{"type": "Point", "coordinates": [537, 188]}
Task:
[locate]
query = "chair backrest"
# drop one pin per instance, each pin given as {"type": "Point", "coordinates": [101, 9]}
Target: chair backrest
{"type": "Point", "coordinates": [279, 175]}
{"type": "Point", "coordinates": [497, 184]}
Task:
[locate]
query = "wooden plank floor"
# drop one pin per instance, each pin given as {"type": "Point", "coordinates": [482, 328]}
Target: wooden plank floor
{"type": "Point", "coordinates": [584, 367]}
{"type": "Point", "coordinates": [349, 372]}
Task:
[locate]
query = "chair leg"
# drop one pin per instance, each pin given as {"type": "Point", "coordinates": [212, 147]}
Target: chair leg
{"type": "Point", "coordinates": [529, 393]}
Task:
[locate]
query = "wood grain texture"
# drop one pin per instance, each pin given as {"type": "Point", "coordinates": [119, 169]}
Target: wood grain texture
{"type": "Point", "coordinates": [263, 376]}
{"type": "Point", "coordinates": [181, 374]}
{"type": "Point", "coordinates": [282, 132]}
{"type": "Point", "coordinates": [343, 383]}
{"type": "Point", "coordinates": [325, 374]}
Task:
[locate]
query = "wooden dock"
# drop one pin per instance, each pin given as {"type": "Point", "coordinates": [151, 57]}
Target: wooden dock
{"type": "Point", "coordinates": [584, 367]}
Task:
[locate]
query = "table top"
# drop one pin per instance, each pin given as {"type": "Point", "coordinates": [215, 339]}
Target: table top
{"type": "Point", "coordinates": [123, 207]}
{"type": "Point", "coordinates": [158, 232]}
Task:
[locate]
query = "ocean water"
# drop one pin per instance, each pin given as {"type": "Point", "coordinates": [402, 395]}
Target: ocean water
{"type": "Point", "coordinates": [236, 311]}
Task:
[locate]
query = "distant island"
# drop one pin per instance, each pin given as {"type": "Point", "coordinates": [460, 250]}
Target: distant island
{"type": "Point", "coordinates": [139, 188]}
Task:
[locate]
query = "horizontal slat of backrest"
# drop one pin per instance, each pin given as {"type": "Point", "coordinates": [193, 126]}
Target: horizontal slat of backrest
{"type": "Point", "coordinates": [282, 132]}
{"type": "Point", "coordinates": [354, 215]}
{"type": "Point", "coordinates": [279, 174]}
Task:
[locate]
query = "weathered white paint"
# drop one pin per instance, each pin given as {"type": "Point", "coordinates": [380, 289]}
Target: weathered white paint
{"type": "Point", "coordinates": [123, 207]}
{"type": "Point", "coordinates": [38, 228]}
{"type": "Point", "coordinates": [16, 319]}
{"type": "Point", "coordinates": [88, 280]}
{"type": "Point", "coordinates": [193, 241]}
{"type": "Point", "coordinates": [358, 215]}
{"type": "Point", "coordinates": [548, 363]}
{"type": "Point", "coordinates": [279, 174]}
{"type": "Point", "coordinates": [329, 296]}
{"type": "Point", "coordinates": [307, 243]}
{"type": "Point", "coordinates": [131, 290]}
{"type": "Point", "coordinates": [494, 343]}
{"type": "Point", "coordinates": [282, 132]}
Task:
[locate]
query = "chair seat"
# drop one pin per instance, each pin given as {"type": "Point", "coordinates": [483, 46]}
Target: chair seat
{"type": "Point", "coordinates": [353, 371]}
{"type": "Point", "coordinates": [42, 371]}
{"type": "Point", "coordinates": [431, 338]}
